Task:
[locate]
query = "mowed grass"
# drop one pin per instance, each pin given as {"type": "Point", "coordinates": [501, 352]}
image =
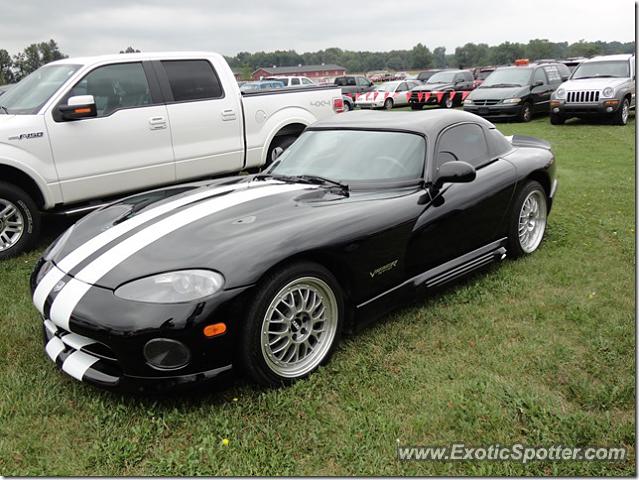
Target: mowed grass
{"type": "Point", "coordinates": [538, 351]}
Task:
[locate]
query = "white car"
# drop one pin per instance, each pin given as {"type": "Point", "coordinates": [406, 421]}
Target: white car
{"type": "Point", "coordinates": [294, 81]}
{"type": "Point", "coordinates": [80, 131]}
{"type": "Point", "coordinates": [387, 95]}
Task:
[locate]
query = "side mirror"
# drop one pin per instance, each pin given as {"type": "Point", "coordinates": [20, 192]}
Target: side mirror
{"type": "Point", "coordinates": [565, 77]}
{"type": "Point", "coordinates": [454, 171]}
{"type": "Point", "coordinates": [78, 107]}
{"type": "Point", "coordinates": [538, 83]}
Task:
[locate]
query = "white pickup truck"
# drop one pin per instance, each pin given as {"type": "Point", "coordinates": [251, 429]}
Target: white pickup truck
{"type": "Point", "coordinates": [80, 131]}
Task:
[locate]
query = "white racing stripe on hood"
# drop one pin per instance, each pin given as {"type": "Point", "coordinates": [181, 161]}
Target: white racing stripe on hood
{"type": "Point", "coordinates": [66, 301]}
{"type": "Point", "coordinates": [87, 249]}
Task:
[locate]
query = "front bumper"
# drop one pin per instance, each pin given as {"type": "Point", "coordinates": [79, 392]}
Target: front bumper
{"type": "Point", "coordinates": [599, 109]}
{"type": "Point", "coordinates": [493, 111]}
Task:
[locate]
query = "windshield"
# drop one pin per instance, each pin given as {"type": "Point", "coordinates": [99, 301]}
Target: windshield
{"type": "Point", "coordinates": [602, 69]}
{"type": "Point", "coordinates": [386, 87]}
{"type": "Point", "coordinates": [442, 77]}
{"type": "Point", "coordinates": [508, 77]}
{"type": "Point", "coordinates": [354, 156]}
{"type": "Point", "coordinates": [28, 96]}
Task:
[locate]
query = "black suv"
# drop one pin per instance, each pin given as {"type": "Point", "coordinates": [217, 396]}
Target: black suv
{"type": "Point", "coordinates": [517, 92]}
{"type": "Point", "coordinates": [353, 85]}
{"type": "Point", "coordinates": [443, 88]}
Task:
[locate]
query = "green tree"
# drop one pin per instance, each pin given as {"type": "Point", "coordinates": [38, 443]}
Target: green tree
{"type": "Point", "coordinates": [6, 67]}
{"type": "Point", "coordinates": [439, 57]}
{"type": "Point", "coordinates": [130, 50]}
{"type": "Point", "coordinates": [420, 57]}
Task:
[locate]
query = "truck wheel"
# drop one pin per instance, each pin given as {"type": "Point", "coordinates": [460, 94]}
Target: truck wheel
{"type": "Point", "coordinates": [525, 113]}
{"type": "Point", "coordinates": [623, 112]}
{"type": "Point", "coordinates": [557, 119]}
{"type": "Point", "coordinates": [416, 106]}
{"type": "Point", "coordinates": [278, 145]}
{"type": "Point", "coordinates": [19, 221]}
{"type": "Point", "coordinates": [388, 104]}
{"type": "Point", "coordinates": [292, 326]}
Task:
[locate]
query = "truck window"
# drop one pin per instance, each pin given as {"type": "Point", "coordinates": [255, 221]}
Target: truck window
{"type": "Point", "coordinates": [192, 80]}
{"type": "Point", "coordinates": [295, 81]}
{"type": "Point", "coordinates": [122, 85]}
{"type": "Point", "coordinates": [306, 81]}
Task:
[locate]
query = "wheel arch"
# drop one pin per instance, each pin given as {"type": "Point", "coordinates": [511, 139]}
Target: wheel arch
{"type": "Point", "coordinates": [26, 182]}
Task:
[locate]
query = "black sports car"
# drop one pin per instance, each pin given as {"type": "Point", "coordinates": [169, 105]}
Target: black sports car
{"type": "Point", "coordinates": [263, 272]}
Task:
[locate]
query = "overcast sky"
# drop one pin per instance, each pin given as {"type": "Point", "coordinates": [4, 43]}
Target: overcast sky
{"type": "Point", "coordinates": [88, 27]}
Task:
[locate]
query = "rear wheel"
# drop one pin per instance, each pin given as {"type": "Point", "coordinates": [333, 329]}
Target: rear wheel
{"type": "Point", "coordinates": [622, 113]}
{"type": "Point", "coordinates": [19, 221]}
{"type": "Point", "coordinates": [556, 119]}
{"type": "Point", "coordinates": [528, 220]}
{"type": "Point", "coordinates": [278, 145]}
{"type": "Point", "coordinates": [292, 326]}
{"type": "Point", "coordinates": [388, 104]}
{"type": "Point", "coordinates": [449, 101]}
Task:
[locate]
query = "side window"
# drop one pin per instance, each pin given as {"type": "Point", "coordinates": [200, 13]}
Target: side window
{"type": "Point", "coordinates": [192, 80]}
{"type": "Point", "coordinates": [362, 82]}
{"type": "Point", "coordinates": [402, 87]}
{"type": "Point", "coordinates": [295, 81]}
{"type": "Point", "coordinates": [306, 81]}
{"type": "Point", "coordinates": [458, 78]}
{"type": "Point", "coordinates": [552, 72]}
{"type": "Point", "coordinates": [114, 87]}
{"type": "Point", "coordinates": [539, 76]}
{"type": "Point", "coordinates": [466, 142]}
{"type": "Point", "coordinates": [469, 76]}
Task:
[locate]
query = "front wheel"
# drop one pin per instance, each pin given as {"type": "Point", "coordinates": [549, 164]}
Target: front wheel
{"type": "Point", "coordinates": [556, 119]}
{"type": "Point", "coordinates": [388, 104]}
{"type": "Point", "coordinates": [525, 113]}
{"type": "Point", "coordinates": [292, 325]}
{"type": "Point", "coordinates": [528, 220]}
{"type": "Point", "coordinates": [449, 101]}
{"type": "Point", "coordinates": [622, 113]}
{"type": "Point", "coordinates": [19, 221]}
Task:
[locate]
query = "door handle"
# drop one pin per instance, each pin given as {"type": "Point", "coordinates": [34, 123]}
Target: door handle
{"type": "Point", "coordinates": [157, 123]}
{"type": "Point", "coordinates": [228, 114]}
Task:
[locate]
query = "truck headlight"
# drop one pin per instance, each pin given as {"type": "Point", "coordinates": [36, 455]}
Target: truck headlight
{"type": "Point", "coordinates": [560, 93]}
{"type": "Point", "coordinates": [172, 287]}
{"type": "Point", "coordinates": [608, 92]}
{"type": "Point", "coordinates": [512, 101]}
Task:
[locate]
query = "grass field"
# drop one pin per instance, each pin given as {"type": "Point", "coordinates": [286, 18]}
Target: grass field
{"type": "Point", "coordinates": [538, 351]}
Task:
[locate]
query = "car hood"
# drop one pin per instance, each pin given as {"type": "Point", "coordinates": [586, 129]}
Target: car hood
{"type": "Point", "coordinates": [593, 83]}
{"type": "Point", "coordinates": [497, 93]}
{"type": "Point", "coordinates": [433, 87]}
{"type": "Point", "coordinates": [239, 227]}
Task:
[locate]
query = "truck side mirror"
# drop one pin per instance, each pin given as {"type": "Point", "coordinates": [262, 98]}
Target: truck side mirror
{"type": "Point", "coordinates": [78, 107]}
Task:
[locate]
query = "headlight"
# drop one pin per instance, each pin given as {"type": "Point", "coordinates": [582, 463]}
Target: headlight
{"type": "Point", "coordinates": [172, 287]}
{"type": "Point", "coordinates": [560, 93]}
{"type": "Point", "coordinates": [468, 101]}
{"type": "Point", "coordinates": [512, 100]}
{"type": "Point", "coordinates": [608, 92]}
{"type": "Point", "coordinates": [57, 244]}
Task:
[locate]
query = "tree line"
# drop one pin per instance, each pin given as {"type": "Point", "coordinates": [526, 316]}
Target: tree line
{"type": "Point", "coordinates": [420, 56]}
{"type": "Point", "coordinates": [15, 67]}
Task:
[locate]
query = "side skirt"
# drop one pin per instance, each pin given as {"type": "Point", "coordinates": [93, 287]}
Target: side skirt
{"type": "Point", "coordinates": [435, 277]}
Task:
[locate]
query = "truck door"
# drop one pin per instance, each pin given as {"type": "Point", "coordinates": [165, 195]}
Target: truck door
{"type": "Point", "coordinates": [206, 121]}
{"type": "Point", "coordinates": [126, 147]}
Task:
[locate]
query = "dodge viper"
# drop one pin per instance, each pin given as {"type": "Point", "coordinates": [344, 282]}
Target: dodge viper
{"type": "Point", "coordinates": [262, 273]}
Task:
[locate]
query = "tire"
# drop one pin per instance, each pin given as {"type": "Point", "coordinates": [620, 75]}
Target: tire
{"type": "Point", "coordinates": [282, 142]}
{"type": "Point", "coordinates": [416, 106]}
{"type": "Point", "coordinates": [388, 104]}
{"type": "Point", "coordinates": [19, 221]}
{"type": "Point", "coordinates": [448, 101]}
{"type": "Point", "coordinates": [622, 114]}
{"type": "Point", "coordinates": [557, 119]}
{"type": "Point", "coordinates": [348, 106]}
{"type": "Point", "coordinates": [525, 113]}
{"type": "Point", "coordinates": [533, 225]}
{"type": "Point", "coordinates": [264, 347]}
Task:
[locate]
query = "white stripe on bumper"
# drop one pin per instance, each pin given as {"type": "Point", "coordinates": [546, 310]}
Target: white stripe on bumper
{"type": "Point", "coordinates": [54, 347]}
{"type": "Point", "coordinates": [78, 363]}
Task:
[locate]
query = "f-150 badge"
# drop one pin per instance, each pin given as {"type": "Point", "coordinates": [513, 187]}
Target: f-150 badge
{"type": "Point", "coordinates": [27, 136]}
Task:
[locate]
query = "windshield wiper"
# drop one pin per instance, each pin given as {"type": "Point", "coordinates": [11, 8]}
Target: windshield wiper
{"type": "Point", "coordinates": [596, 76]}
{"type": "Point", "coordinates": [310, 179]}
{"type": "Point", "coordinates": [4, 109]}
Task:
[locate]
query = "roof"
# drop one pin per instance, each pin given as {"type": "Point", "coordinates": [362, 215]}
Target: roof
{"type": "Point", "coordinates": [300, 69]}
{"type": "Point", "coordinates": [423, 123]}
{"type": "Point", "coordinates": [601, 58]}
{"type": "Point", "coordinates": [135, 57]}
